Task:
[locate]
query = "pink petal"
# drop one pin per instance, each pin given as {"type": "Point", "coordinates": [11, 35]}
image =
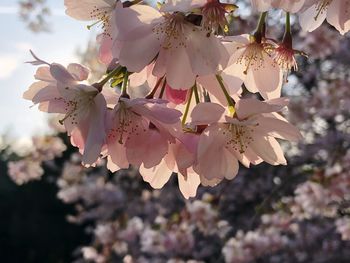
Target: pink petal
{"type": "Point", "coordinates": [46, 94]}
{"type": "Point", "coordinates": [261, 5]}
{"type": "Point", "coordinates": [43, 73]}
{"type": "Point", "coordinates": [232, 166]}
{"type": "Point", "coordinates": [249, 107]}
{"type": "Point", "coordinates": [78, 71]}
{"type": "Point", "coordinates": [338, 15]}
{"type": "Point", "coordinates": [267, 79]}
{"type": "Point", "coordinates": [156, 176]}
{"type": "Point", "coordinates": [158, 112]}
{"type": "Point", "coordinates": [112, 166]}
{"type": "Point", "coordinates": [207, 113]}
{"type": "Point", "coordinates": [137, 54]}
{"type": "Point", "coordinates": [213, 159]}
{"type": "Point", "coordinates": [147, 148]}
{"type": "Point", "coordinates": [83, 9]}
{"type": "Point", "coordinates": [34, 89]}
{"type": "Point", "coordinates": [179, 74]}
{"type": "Point", "coordinates": [129, 19]}
{"type": "Point", "coordinates": [54, 106]}
{"type": "Point", "coordinates": [188, 186]}
{"type": "Point", "coordinates": [269, 150]}
{"type": "Point", "coordinates": [105, 54]}
{"type": "Point", "coordinates": [205, 53]}
{"type": "Point", "coordinates": [307, 18]}
{"type": "Point", "coordinates": [96, 134]}
{"type": "Point", "coordinates": [181, 6]}
{"type": "Point", "coordinates": [183, 157]}
{"type": "Point", "coordinates": [278, 129]}
{"type": "Point", "coordinates": [61, 74]}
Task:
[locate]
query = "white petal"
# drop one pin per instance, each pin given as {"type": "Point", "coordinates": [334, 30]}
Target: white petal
{"type": "Point", "coordinates": [96, 134]}
{"type": "Point", "coordinates": [179, 73]}
{"type": "Point", "coordinates": [84, 9]}
{"type": "Point", "coordinates": [249, 107]}
{"type": "Point", "coordinates": [268, 149]}
{"type": "Point", "coordinates": [156, 176]}
{"type": "Point", "coordinates": [188, 186]}
{"type": "Point", "coordinates": [278, 129]}
{"type": "Point", "coordinates": [338, 15]}
{"type": "Point", "coordinates": [309, 20]}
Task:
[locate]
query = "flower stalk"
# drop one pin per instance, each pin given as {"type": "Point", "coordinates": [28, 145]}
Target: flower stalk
{"type": "Point", "coordinates": [228, 97]}
{"type": "Point", "coordinates": [184, 118]}
{"type": "Point", "coordinates": [99, 85]}
{"type": "Point", "coordinates": [259, 32]}
{"type": "Point", "coordinates": [125, 85]}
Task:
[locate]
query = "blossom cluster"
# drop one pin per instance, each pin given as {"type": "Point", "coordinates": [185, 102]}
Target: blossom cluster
{"type": "Point", "coordinates": [295, 213]}
{"type": "Point", "coordinates": [197, 120]}
{"type": "Point", "coordinates": [28, 168]}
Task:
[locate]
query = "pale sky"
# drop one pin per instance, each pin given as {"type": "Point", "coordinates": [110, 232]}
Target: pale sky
{"type": "Point", "coordinates": [16, 116]}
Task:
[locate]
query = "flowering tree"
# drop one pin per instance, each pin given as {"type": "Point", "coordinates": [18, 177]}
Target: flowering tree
{"type": "Point", "coordinates": [184, 95]}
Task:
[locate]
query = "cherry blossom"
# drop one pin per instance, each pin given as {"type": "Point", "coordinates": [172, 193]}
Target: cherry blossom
{"type": "Point", "coordinates": [249, 137]}
{"type": "Point", "coordinates": [180, 160]}
{"type": "Point", "coordinates": [337, 13]}
{"type": "Point", "coordinates": [59, 91]}
{"type": "Point", "coordinates": [139, 132]}
{"type": "Point", "coordinates": [213, 12]}
{"type": "Point", "coordinates": [284, 54]}
{"type": "Point", "coordinates": [102, 12]}
{"type": "Point", "coordinates": [251, 62]}
{"type": "Point", "coordinates": [90, 10]}
{"type": "Point", "coordinates": [24, 171]}
{"type": "Point", "coordinates": [178, 47]}
{"type": "Point", "coordinates": [174, 109]}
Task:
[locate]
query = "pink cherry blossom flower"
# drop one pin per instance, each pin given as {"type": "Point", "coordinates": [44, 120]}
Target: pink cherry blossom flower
{"type": "Point", "coordinates": [90, 10]}
{"type": "Point", "coordinates": [337, 13]}
{"type": "Point", "coordinates": [102, 12]}
{"type": "Point", "coordinates": [214, 15]}
{"type": "Point", "coordinates": [213, 12]}
{"type": "Point", "coordinates": [180, 160]}
{"type": "Point", "coordinates": [251, 63]}
{"type": "Point", "coordinates": [343, 228]}
{"type": "Point", "coordinates": [139, 132]}
{"type": "Point", "coordinates": [180, 49]}
{"type": "Point", "coordinates": [291, 6]}
{"type": "Point", "coordinates": [24, 171]}
{"type": "Point", "coordinates": [59, 91]}
{"type": "Point", "coordinates": [249, 136]}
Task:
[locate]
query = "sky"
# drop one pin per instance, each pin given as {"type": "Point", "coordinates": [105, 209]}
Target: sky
{"type": "Point", "coordinates": [17, 118]}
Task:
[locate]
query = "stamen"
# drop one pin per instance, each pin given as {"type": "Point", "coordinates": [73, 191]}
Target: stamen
{"type": "Point", "coordinates": [239, 136]}
{"type": "Point", "coordinates": [252, 56]}
{"type": "Point", "coordinates": [171, 31]}
{"type": "Point", "coordinates": [103, 19]}
{"type": "Point", "coordinates": [214, 15]}
{"type": "Point", "coordinates": [74, 105]}
{"type": "Point", "coordinates": [127, 124]}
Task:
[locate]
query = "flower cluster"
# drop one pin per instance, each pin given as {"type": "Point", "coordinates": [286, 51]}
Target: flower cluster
{"type": "Point", "coordinates": [295, 213]}
{"type": "Point", "coordinates": [197, 120]}
{"type": "Point", "coordinates": [43, 149]}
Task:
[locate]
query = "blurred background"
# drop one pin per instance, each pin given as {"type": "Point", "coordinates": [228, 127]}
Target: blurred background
{"type": "Point", "coordinates": [53, 210]}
